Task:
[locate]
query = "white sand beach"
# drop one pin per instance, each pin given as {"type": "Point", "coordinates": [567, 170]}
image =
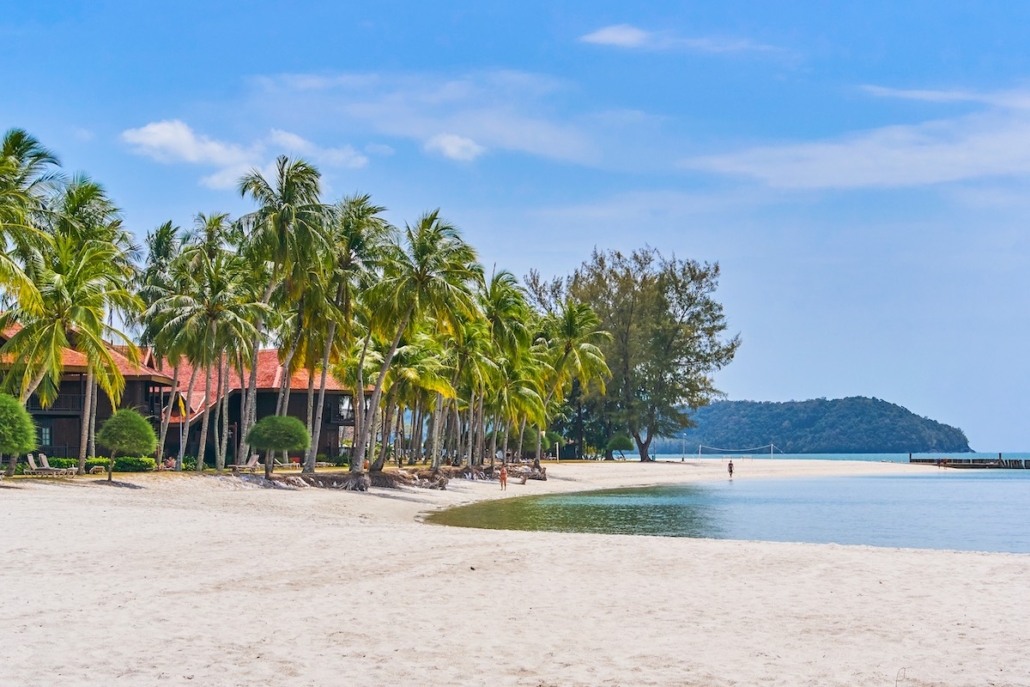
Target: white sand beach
{"type": "Point", "coordinates": [210, 581]}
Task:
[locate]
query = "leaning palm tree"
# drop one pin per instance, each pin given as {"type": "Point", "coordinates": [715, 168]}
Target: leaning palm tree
{"type": "Point", "coordinates": [430, 273]}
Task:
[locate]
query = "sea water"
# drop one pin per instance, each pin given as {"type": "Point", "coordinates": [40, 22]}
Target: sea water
{"type": "Point", "coordinates": [970, 510]}
{"type": "Point", "coordinates": [867, 457]}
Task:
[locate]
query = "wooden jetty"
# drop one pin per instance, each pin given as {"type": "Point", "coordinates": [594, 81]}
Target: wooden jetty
{"type": "Point", "coordinates": [998, 463]}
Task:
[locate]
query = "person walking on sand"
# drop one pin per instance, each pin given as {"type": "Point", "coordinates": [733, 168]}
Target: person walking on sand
{"type": "Point", "coordinates": [503, 477]}
{"type": "Point", "coordinates": [730, 468]}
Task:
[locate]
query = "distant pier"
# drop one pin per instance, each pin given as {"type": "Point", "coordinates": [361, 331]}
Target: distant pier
{"type": "Point", "coordinates": [998, 463]}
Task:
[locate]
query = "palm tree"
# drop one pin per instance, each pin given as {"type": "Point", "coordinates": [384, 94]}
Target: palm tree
{"type": "Point", "coordinates": [157, 281]}
{"type": "Point", "coordinates": [82, 212]}
{"type": "Point", "coordinates": [570, 343]}
{"type": "Point", "coordinates": [211, 314]}
{"type": "Point", "coordinates": [358, 234]}
{"type": "Point", "coordinates": [26, 176]}
{"type": "Point", "coordinates": [429, 274]}
{"type": "Point", "coordinates": [288, 233]}
{"type": "Point", "coordinates": [78, 285]}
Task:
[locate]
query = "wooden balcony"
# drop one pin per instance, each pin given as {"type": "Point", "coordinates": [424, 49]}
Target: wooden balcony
{"type": "Point", "coordinates": [65, 404]}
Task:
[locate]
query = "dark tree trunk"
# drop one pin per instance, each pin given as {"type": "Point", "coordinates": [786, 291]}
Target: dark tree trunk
{"type": "Point", "coordinates": [166, 418]}
{"type": "Point", "coordinates": [437, 416]}
{"type": "Point", "coordinates": [84, 426]}
{"type": "Point", "coordinates": [93, 420]}
{"type": "Point", "coordinates": [184, 421]}
{"type": "Point", "coordinates": [316, 430]}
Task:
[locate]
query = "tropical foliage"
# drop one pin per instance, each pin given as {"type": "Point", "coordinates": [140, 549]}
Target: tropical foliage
{"type": "Point", "coordinates": [447, 365]}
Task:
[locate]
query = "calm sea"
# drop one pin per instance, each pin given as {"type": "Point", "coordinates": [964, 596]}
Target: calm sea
{"type": "Point", "coordinates": [971, 510]}
{"type": "Point", "coordinates": [874, 457]}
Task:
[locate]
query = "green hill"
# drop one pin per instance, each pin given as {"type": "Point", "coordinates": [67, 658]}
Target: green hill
{"type": "Point", "coordinates": [845, 425]}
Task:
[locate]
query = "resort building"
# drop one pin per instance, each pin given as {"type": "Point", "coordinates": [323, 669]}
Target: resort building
{"type": "Point", "coordinates": [149, 389]}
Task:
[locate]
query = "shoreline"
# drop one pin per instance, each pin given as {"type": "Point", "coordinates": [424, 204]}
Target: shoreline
{"type": "Point", "coordinates": [215, 582]}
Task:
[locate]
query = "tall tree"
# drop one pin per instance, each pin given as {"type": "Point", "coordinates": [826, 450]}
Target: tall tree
{"type": "Point", "coordinates": [287, 233]}
{"type": "Point", "coordinates": [357, 234]}
{"type": "Point", "coordinates": [667, 336]}
{"type": "Point", "coordinates": [428, 273]}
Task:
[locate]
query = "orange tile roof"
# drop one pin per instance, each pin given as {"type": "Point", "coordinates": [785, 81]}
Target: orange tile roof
{"type": "Point", "coordinates": [269, 378]}
{"type": "Point", "coordinates": [74, 361]}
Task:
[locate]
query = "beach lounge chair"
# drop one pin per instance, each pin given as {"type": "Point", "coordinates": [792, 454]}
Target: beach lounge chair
{"type": "Point", "coordinates": [47, 471]}
{"type": "Point", "coordinates": [60, 471]}
{"type": "Point", "coordinates": [250, 466]}
{"type": "Point", "coordinates": [279, 465]}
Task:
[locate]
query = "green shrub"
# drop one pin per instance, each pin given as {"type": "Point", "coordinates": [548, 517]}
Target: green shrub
{"type": "Point", "coordinates": [134, 464]}
{"type": "Point", "coordinates": [17, 431]}
{"type": "Point", "coordinates": [121, 464]}
{"type": "Point", "coordinates": [279, 433]}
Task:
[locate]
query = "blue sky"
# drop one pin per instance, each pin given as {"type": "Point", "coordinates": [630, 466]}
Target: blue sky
{"type": "Point", "coordinates": [861, 170]}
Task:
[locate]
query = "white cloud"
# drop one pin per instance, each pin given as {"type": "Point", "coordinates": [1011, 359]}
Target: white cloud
{"type": "Point", "coordinates": [292, 144]}
{"type": "Point", "coordinates": [632, 37]}
{"type": "Point", "coordinates": [991, 143]}
{"type": "Point", "coordinates": [620, 35]}
{"type": "Point", "coordinates": [496, 110]}
{"type": "Point", "coordinates": [455, 147]}
{"type": "Point", "coordinates": [379, 149]}
{"type": "Point", "coordinates": [173, 140]}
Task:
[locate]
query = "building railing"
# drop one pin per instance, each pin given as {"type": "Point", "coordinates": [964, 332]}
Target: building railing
{"type": "Point", "coordinates": [64, 402]}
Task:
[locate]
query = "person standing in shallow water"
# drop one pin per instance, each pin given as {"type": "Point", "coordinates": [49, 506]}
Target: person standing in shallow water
{"type": "Point", "coordinates": [730, 468]}
{"type": "Point", "coordinates": [503, 477]}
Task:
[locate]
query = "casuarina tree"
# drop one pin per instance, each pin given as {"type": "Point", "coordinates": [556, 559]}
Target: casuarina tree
{"type": "Point", "coordinates": [129, 433]}
{"type": "Point", "coordinates": [17, 431]}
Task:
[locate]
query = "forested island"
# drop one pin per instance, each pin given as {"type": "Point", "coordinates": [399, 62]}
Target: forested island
{"type": "Point", "coordinates": [847, 425]}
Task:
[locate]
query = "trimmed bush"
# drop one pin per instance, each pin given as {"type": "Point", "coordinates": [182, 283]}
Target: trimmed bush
{"type": "Point", "coordinates": [279, 433]}
{"type": "Point", "coordinates": [121, 464]}
{"type": "Point", "coordinates": [127, 431]}
{"type": "Point", "coordinates": [17, 430]}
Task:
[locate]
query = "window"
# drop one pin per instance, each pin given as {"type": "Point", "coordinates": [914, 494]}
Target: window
{"type": "Point", "coordinates": [46, 435]}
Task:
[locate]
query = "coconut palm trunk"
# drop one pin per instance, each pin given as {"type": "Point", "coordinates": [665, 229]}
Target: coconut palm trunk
{"type": "Point", "coordinates": [87, 403]}
{"type": "Point", "coordinates": [184, 420]}
{"type": "Point", "coordinates": [166, 416]}
{"type": "Point", "coordinates": [360, 418]}
{"type": "Point", "coordinates": [93, 420]}
{"type": "Point", "coordinates": [504, 447]}
{"type": "Point", "coordinates": [316, 429]}
{"type": "Point", "coordinates": [437, 416]}
{"type": "Point", "coordinates": [223, 448]}
{"type": "Point", "coordinates": [206, 418]}
{"type": "Point", "coordinates": [493, 440]}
